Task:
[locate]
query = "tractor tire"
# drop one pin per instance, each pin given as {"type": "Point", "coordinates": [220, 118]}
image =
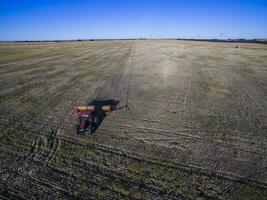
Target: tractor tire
{"type": "Point", "coordinates": [90, 129]}
{"type": "Point", "coordinates": [96, 120]}
{"type": "Point", "coordinates": [76, 129]}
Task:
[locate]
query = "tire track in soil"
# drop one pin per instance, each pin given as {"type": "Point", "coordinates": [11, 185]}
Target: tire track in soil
{"type": "Point", "coordinates": [188, 168]}
{"type": "Point", "coordinates": [100, 172]}
{"type": "Point", "coordinates": [55, 146]}
{"type": "Point", "coordinates": [95, 174]}
{"type": "Point", "coordinates": [26, 169]}
{"type": "Point", "coordinates": [111, 89]}
{"type": "Point", "coordinates": [139, 158]}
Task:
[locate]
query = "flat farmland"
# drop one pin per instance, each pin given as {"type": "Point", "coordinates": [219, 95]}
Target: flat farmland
{"type": "Point", "coordinates": [195, 127]}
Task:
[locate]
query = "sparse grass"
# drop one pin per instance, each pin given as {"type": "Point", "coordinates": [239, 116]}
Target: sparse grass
{"type": "Point", "coordinates": [214, 90]}
{"type": "Point", "coordinates": [125, 191]}
{"type": "Point", "coordinates": [211, 58]}
{"type": "Point", "coordinates": [195, 123]}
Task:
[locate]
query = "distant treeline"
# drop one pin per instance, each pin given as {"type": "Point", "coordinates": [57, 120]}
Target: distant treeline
{"type": "Point", "coordinates": [260, 41]}
{"type": "Point", "coordinates": [79, 40]}
{"type": "Point", "coordinates": [230, 40]}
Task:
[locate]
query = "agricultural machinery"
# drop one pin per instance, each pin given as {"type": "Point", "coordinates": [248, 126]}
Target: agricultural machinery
{"type": "Point", "coordinates": [90, 117]}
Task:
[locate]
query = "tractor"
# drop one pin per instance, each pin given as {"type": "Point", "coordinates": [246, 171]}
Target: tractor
{"type": "Point", "coordinates": [90, 117]}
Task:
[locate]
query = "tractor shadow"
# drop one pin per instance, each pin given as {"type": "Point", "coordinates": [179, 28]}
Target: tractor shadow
{"type": "Point", "coordinates": [100, 114]}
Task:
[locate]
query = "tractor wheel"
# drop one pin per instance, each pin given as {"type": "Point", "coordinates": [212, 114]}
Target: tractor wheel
{"type": "Point", "coordinates": [76, 129]}
{"type": "Point", "coordinates": [90, 129]}
{"type": "Point", "coordinates": [96, 120]}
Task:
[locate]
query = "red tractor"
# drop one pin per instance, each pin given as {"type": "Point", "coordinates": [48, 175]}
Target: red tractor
{"type": "Point", "coordinates": [90, 117]}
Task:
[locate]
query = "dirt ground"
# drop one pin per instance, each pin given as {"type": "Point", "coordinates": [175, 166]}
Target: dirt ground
{"type": "Point", "coordinates": [195, 127]}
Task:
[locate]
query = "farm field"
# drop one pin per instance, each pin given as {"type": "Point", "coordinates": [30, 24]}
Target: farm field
{"type": "Point", "coordinates": [195, 128]}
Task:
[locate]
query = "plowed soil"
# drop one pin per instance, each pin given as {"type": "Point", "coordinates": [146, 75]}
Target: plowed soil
{"type": "Point", "coordinates": [195, 127]}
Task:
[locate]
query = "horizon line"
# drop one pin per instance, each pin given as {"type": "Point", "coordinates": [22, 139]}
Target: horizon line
{"type": "Point", "coordinates": [139, 38]}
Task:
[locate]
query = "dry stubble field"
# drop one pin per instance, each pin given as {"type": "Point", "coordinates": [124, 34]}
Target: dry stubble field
{"type": "Point", "coordinates": [195, 128]}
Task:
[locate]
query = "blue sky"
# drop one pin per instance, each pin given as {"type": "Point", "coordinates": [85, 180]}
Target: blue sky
{"type": "Point", "coordinates": [81, 19]}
